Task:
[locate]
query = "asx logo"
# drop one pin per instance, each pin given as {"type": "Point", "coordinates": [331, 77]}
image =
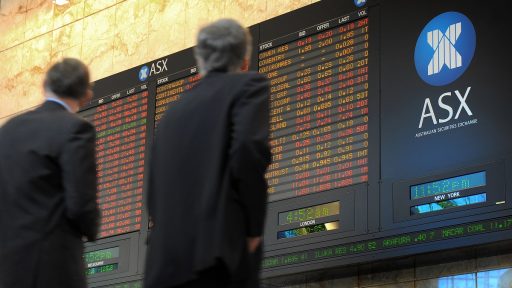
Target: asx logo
{"type": "Point", "coordinates": [360, 3]}
{"type": "Point", "coordinates": [445, 48]}
{"type": "Point", "coordinates": [443, 52]}
{"type": "Point", "coordinates": [156, 68]}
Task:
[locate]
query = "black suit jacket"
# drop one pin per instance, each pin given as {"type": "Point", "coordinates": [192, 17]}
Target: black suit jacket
{"type": "Point", "coordinates": [47, 198]}
{"type": "Point", "coordinates": [207, 191]}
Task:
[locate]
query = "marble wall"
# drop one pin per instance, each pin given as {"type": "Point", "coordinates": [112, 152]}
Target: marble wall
{"type": "Point", "coordinates": [109, 35]}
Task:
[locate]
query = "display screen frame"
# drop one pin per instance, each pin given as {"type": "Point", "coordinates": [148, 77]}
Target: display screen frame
{"type": "Point", "coordinates": [134, 195]}
{"type": "Point", "coordinates": [449, 204]}
{"type": "Point", "coordinates": [128, 260]}
{"type": "Point", "coordinates": [352, 201]}
{"type": "Point", "coordinates": [331, 206]}
{"type": "Point", "coordinates": [359, 151]}
{"type": "Point", "coordinates": [495, 190]}
{"type": "Point", "coordinates": [113, 250]}
{"type": "Point", "coordinates": [311, 228]}
{"type": "Point", "coordinates": [476, 176]}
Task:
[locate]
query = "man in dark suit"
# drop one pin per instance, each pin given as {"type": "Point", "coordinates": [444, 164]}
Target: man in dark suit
{"type": "Point", "coordinates": [207, 192]}
{"type": "Point", "coordinates": [48, 186]}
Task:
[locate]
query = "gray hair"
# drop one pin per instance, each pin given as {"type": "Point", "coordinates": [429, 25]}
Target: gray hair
{"type": "Point", "coordinates": [222, 45]}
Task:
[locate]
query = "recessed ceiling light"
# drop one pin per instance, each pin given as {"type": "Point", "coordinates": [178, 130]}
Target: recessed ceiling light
{"type": "Point", "coordinates": [61, 2]}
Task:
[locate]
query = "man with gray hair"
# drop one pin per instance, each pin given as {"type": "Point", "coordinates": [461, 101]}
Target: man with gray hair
{"type": "Point", "coordinates": [207, 192]}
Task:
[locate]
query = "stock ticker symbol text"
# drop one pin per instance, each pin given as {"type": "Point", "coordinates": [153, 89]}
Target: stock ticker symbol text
{"type": "Point", "coordinates": [444, 49]}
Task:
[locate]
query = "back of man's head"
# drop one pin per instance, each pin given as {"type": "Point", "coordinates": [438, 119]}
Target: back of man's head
{"type": "Point", "coordinates": [68, 78]}
{"type": "Point", "coordinates": [222, 46]}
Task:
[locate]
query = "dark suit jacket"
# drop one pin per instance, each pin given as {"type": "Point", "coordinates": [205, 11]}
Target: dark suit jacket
{"type": "Point", "coordinates": [207, 191]}
{"type": "Point", "coordinates": [47, 198]}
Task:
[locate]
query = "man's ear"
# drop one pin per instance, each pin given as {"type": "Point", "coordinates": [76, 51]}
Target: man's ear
{"type": "Point", "coordinates": [87, 97]}
{"type": "Point", "coordinates": [245, 65]}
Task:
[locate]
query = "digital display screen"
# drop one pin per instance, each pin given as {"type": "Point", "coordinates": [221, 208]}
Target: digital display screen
{"type": "Point", "coordinates": [133, 284]}
{"type": "Point", "coordinates": [171, 89]}
{"type": "Point", "coordinates": [447, 204]}
{"type": "Point", "coordinates": [120, 122]}
{"type": "Point", "coordinates": [318, 109]}
{"type": "Point", "coordinates": [101, 269]}
{"type": "Point", "coordinates": [448, 185]}
{"type": "Point", "coordinates": [309, 213]}
{"type": "Point", "coordinates": [353, 121]}
{"type": "Point", "coordinates": [101, 255]}
{"type": "Point", "coordinates": [307, 230]}
{"type": "Point", "coordinates": [403, 240]}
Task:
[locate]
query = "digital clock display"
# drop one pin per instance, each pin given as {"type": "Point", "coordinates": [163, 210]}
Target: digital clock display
{"type": "Point", "coordinates": [448, 185]}
{"type": "Point", "coordinates": [101, 255]}
{"type": "Point", "coordinates": [309, 213]}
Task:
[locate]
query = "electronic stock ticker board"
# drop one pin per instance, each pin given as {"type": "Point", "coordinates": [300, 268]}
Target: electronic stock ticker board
{"type": "Point", "coordinates": [388, 127]}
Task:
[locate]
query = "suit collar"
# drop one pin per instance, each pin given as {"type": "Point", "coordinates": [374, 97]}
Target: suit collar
{"type": "Point", "coordinates": [52, 106]}
{"type": "Point", "coordinates": [61, 102]}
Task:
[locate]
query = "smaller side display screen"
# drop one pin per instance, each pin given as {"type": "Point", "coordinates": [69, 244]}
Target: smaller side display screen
{"type": "Point", "coordinates": [447, 204]}
{"type": "Point", "coordinates": [448, 185]}
{"type": "Point", "coordinates": [102, 269]}
{"type": "Point", "coordinates": [309, 213]}
{"type": "Point", "coordinates": [133, 284]}
{"type": "Point", "coordinates": [307, 230]}
{"type": "Point", "coordinates": [101, 255]}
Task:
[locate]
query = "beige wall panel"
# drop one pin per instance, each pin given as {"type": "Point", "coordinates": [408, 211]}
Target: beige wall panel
{"type": "Point", "coordinates": [93, 6]}
{"type": "Point", "coordinates": [128, 51]}
{"type": "Point", "coordinates": [72, 52]}
{"type": "Point", "coordinates": [67, 37]}
{"type": "Point", "coordinates": [256, 11]}
{"type": "Point", "coordinates": [196, 15]}
{"type": "Point", "coordinates": [132, 14]}
{"type": "Point", "coordinates": [14, 97]}
{"type": "Point", "coordinates": [39, 18]}
{"type": "Point", "coordinates": [98, 43]}
{"type": "Point", "coordinates": [199, 13]}
{"type": "Point", "coordinates": [65, 14]}
{"type": "Point", "coordinates": [32, 83]}
{"type": "Point", "coordinates": [12, 23]}
{"type": "Point", "coordinates": [167, 28]}
{"type": "Point", "coordinates": [37, 52]}
{"type": "Point", "coordinates": [235, 9]}
{"type": "Point", "coordinates": [11, 62]}
{"type": "Point", "coordinates": [131, 38]}
{"type": "Point", "coordinates": [9, 87]}
{"type": "Point", "coordinates": [216, 9]}
{"type": "Point", "coordinates": [276, 8]}
{"type": "Point", "coordinates": [35, 62]}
